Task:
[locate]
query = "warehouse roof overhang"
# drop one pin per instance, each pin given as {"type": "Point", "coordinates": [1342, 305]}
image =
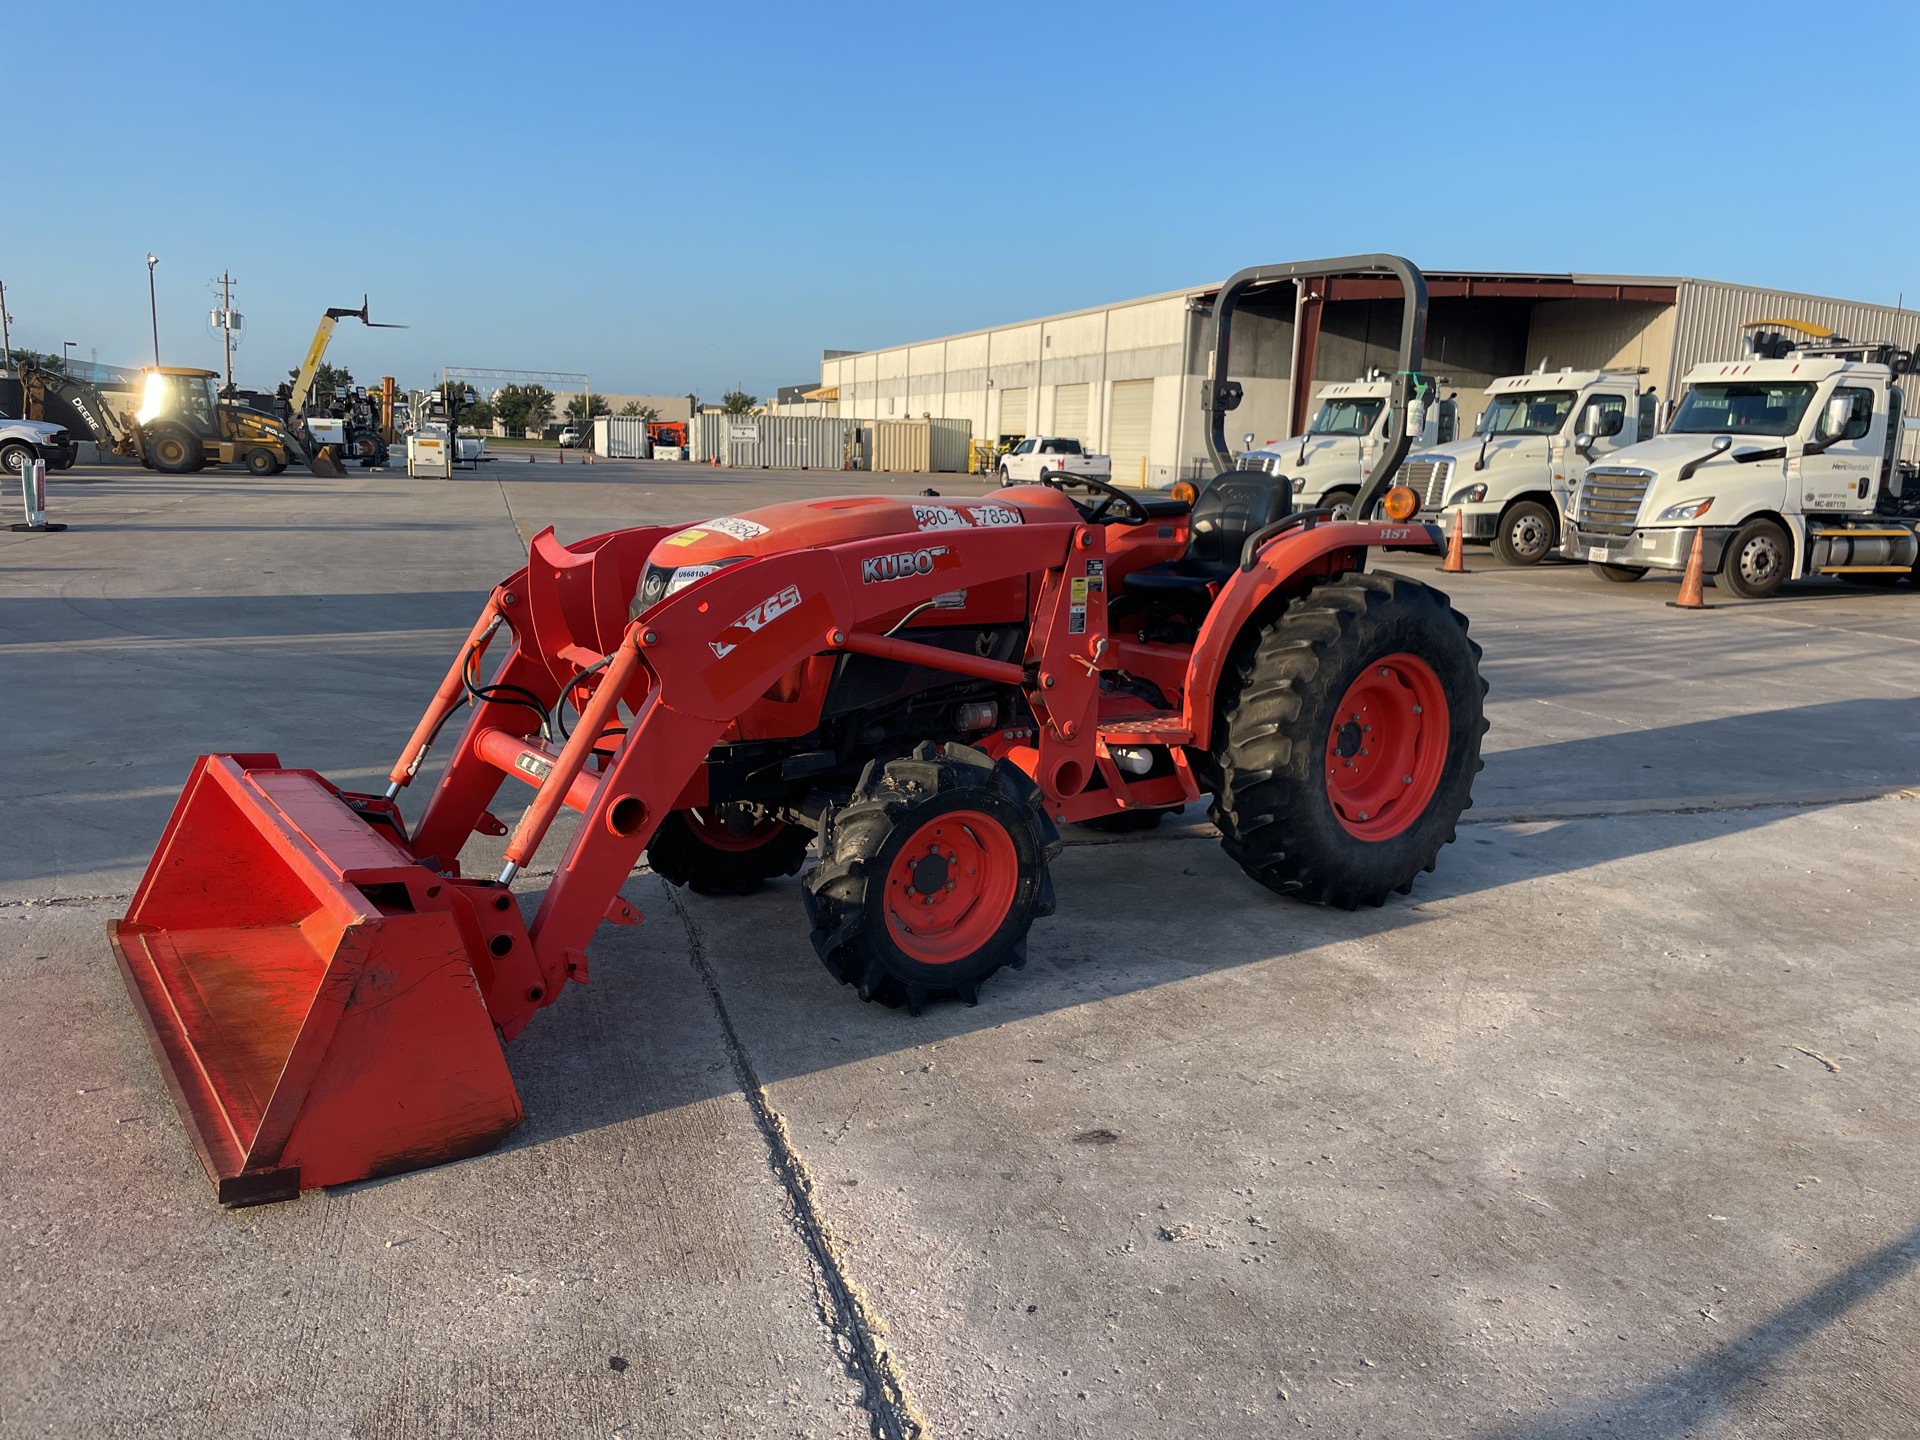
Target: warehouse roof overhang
{"type": "Point", "coordinates": [1487, 285]}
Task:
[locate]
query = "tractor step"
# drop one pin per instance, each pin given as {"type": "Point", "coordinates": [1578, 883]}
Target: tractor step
{"type": "Point", "coordinates": [311, 993]}
{"type": "Point", "coordinates": [1150, 730]}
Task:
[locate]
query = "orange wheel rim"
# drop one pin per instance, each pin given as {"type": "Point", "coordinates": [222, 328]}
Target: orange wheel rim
{"type": "Point", "coordinates": [1387, 747]}
{"type": "Point", "coordinates": [950, 887]}
{"type": "Point", "coordinates": [713, 832]}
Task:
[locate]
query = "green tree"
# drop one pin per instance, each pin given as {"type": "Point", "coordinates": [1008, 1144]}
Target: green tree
{"type": "Point", "coordinates": [738, 402]}
{"type": "Point", "coordinates": [585, 407]}
{"type": "Point", "coordinates": [328, 381]}
{"type": "Point", "coordinates": [639, 411]}
{"type": "Point", "coordinates": [523, 409]}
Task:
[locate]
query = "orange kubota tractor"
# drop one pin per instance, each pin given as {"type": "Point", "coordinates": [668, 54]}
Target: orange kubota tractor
{"type": "Point", "coordinates": [921, 688]}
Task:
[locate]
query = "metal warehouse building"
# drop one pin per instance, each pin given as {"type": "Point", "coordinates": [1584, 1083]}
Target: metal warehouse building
{"type": "Point", "coordinates": [1126, 378]}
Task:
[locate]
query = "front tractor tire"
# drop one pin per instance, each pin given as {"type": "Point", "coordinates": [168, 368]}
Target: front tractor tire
{"type": "Point", "coordinates": [930, 876]}
{"type": "Point", "coordinates": [1347, 738]}
{"type": "Point", "coordinates": [712, 853]}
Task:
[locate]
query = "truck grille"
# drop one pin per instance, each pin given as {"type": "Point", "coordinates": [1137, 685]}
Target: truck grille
{"type": "Point", "coordinates": [1429, 480]}
{"type": "Point", "coordinates": [1609, 501]}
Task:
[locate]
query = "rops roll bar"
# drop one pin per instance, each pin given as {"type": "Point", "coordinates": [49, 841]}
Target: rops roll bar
{"type": "Point", "coordinates": [1221, 394]}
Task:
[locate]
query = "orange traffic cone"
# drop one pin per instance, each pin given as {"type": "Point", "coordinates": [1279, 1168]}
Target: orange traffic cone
{"type": "Point", "coordinates": [1456, 561]}
{"type": "Point", "coordinates": [529, 457]}
{"type": "Point", "coordinates": [1692, 582]}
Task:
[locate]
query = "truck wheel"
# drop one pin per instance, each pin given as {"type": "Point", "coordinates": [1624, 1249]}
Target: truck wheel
{"type": "Point", "coordinates": [260, 461]}
{"type": "Point", "coordinates": [1618, 574]}
{"type": "Point", "coordinates": [931, 875]}
{"type": "Point", "coordinates": [1347, 739]}
{"type": "Point", "coordinates": [1340, 502]}
{"type": "Point", "coordinates": [14, 458]}
{"type": "Point", "coordinates": [1757, 560]}
{"type": "Point", "coordinates": [173, 450]}
{"type": "Point", "coordinates": [1002, 476]}
{"type": "Point", "coordinates": [1527, 533]}
{"type": "Point", "coordinates": [697, 849]}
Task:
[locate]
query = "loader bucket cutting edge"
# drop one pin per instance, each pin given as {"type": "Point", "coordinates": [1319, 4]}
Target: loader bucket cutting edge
{"type": "Point", "coordinates": [308, 990]}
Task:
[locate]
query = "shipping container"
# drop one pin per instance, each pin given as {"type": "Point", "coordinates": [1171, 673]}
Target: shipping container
{"type": "Point", "coordinates": [621, 437]}
{"type": "Point", "coordinates": [920, 447]}
{"type": "Point", "coordinates": [773, 442]}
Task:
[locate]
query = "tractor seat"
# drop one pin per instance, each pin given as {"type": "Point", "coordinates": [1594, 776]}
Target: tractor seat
{"type": "Point", "coordinates": [1233, 507]}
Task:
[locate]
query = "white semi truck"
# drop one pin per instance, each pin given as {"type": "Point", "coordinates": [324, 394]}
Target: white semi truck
{"type": "Point", "coordinates": [1786, 464]}
{"type": "Point", "coordinates": [1510, 483]}
{"type": "Point", "coordinates": [1351, 427]}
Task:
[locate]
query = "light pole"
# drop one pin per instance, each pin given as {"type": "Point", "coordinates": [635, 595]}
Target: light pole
{"type": "Point", "coordinates": [66, 360]}
{"type": "Point", "coordinates": [153, 307]}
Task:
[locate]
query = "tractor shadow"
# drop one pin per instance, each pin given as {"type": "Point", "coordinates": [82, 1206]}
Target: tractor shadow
{"type": "Point", "coordinates": [1138, 912]}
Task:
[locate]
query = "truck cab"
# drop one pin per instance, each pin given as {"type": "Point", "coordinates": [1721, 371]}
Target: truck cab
{"type": "Point", "coordinates": [1509, 484]}
{"type": "Point", "coordinates": [1352, 426]}
{"type": "Point", "coordinates": [1784, 467]}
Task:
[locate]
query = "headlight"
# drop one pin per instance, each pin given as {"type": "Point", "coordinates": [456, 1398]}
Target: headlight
{"type": "Point", "coordinates": [661, 581]}
{"type": "Point", "coordinates": [1299, 483]}
{"type": "Point", "coordinates": [1692, 510]}
{"type": "Point", "coordinates": [1472, 495]}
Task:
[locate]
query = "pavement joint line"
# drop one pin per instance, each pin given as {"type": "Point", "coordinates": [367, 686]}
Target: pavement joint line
{"type": "Point", "coordinates": [891, 1413]}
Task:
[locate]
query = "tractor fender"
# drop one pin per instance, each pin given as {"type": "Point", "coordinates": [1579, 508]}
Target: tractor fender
{"type": "Point", "coordinates": [1285, 565]}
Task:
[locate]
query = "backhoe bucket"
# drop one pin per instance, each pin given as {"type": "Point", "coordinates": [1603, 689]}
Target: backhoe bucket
{"type": "Point", "coordinates": [310, 992]}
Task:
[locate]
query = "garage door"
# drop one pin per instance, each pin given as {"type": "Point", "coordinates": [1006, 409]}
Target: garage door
{"type": "Point", "coordinates": [1070, 412]}
{"type": "Point", "coordinates": [1013, 412]}
{"type": "Point", "coordinates": [1131, 437]}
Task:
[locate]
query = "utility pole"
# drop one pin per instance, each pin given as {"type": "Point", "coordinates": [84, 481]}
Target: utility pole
{"type": "Point", "coordinates": [227, 320]}
{"type": "Point", "coordinates": [6, 340]}
{"type": "Point", "coordinates": [153, 307]}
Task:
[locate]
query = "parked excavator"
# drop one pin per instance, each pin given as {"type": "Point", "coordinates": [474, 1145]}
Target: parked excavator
{"type": "Point", "coordinates": [912, 691]}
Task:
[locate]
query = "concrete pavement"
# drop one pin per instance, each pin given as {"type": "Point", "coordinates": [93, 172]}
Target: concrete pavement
{"type": "Point", "coordinates": [1605, 1130]}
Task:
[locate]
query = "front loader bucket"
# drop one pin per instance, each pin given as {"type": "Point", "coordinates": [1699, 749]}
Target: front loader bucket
{"type": "Point", "coordinates": [324, 461]}
{"type": "Point", "coordinates": [308, 989]}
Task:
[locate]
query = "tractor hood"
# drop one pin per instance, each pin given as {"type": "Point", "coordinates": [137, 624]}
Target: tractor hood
{"type": "Point", "coordinates": [695, 552]}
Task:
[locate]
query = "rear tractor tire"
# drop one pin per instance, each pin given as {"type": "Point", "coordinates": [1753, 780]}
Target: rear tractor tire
{"type": "Point", "coordinates": [1347, 738]}
{"type": "Point", "coordinates": [711, 853]}
{"type": "Point", "coordinates": [931, 875]}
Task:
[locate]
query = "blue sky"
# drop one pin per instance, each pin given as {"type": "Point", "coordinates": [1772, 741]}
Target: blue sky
{"type": "Point", "coordinates": [682, 198]}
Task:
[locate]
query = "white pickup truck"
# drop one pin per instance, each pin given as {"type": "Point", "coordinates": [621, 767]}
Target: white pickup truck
{"type": "Point", "coordinates": [1038, 454]}
{"type": "Point", "coordinates": [1351, 428]}
{"type": "Point", "coordinates": [24, 440]}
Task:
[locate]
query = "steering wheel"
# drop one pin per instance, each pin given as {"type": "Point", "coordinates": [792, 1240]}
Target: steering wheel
{"type": "Point", "coordinates": [1060, 480]}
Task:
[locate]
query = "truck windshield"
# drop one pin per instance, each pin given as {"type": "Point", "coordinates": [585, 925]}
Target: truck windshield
{"type": "Point", "coordinates": [1529, 412]}
{"type": "Point", "coordinates": [1747, 407]}
{"type": "Point", "coordinates": [1346, 417]}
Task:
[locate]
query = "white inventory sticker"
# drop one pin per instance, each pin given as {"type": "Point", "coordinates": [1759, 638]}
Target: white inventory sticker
{"type": "Point", "coordinates": [995, 515]}
{"type": "Point", "coordinates": [738, 529]}
{"type": "Point", "coordinates": [938, 517]}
